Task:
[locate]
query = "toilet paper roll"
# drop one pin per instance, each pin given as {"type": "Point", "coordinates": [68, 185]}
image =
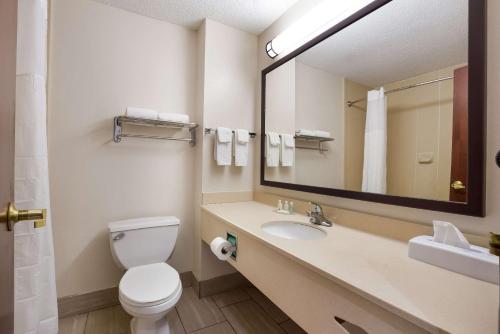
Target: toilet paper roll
{"type": "Point", "coordinates": [216, 246]}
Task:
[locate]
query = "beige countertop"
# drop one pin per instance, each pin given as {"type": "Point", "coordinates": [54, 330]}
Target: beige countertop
{"type": "Point", "coordinates": [380, 270]}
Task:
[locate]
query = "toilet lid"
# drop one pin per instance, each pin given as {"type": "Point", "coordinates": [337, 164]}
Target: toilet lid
{"type": "Point", "coordinates": [149, 284]}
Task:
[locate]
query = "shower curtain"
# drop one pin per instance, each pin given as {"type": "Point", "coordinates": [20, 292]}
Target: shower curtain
{"type": "Point", "coordinates": [35, 309]}
{"type": "Point", "coordinates": [375, 156]}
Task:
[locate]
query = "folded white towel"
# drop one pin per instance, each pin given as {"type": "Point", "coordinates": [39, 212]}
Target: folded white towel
{"type": "Point", "coordinates": [313, 133]}
{"type": "Point", "coordinates": [288, 140]}
{"type": "Point", "coordinates": [224, 135]}
{"type": "Point", "coordinates": [141, 113]}
{"type": "Point", "coordinates": [242, 136]}
{"type": "Point", "coordinates": [241, 147]}
{"type": "Point", "coordinates": [319, 133]}
{"type": "Point", "coordinates": [305, 132]}
{"type": "Point", "coordinates": [272, 149]}
{"type": "Point", "coordinates": [173, 117]}
{"type": "Point", "coordinates": [274, 138]}
{"type": "Point", "coordinates": [287, 150]}
{"type": "Point", "coordinates": [223, 146]}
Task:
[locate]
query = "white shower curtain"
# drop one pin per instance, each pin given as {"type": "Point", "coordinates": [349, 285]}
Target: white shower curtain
{"type": "Point", "coordinates": [35, 309]}
{"type": "Point", "coordinates": [375, 157]}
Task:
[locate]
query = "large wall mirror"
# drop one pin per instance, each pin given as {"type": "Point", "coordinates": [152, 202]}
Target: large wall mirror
{"type": "Point", "coordinates": [386, 106]}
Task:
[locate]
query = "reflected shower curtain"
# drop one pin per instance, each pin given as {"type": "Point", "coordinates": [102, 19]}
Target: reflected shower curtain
{"type": "Point", "coordinates": [375, 156]}
{"type": "Point", "coordinates": [35, 309]}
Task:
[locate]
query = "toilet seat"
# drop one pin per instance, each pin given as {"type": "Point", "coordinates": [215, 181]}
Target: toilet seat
{"type": "Point", "coordinates": [149, 285]}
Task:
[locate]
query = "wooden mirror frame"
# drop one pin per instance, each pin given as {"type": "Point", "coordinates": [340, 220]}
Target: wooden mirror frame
{"type": "Point", "coordinates": [476, 121]}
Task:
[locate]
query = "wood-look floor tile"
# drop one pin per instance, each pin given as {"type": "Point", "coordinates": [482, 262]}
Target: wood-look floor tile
{"type": "Point", "coordinates": [269, 307]}
{"type": "Point", "coordinates": [196, 313]}
{"type": "Point", "coordinates": [111, 320]}
{"type": "Point", "coordinates": [230, 297]}
{"type": "Point", "coordinates": [291, 327]}
{"type": "Point", "coordinates": [175, 322]}
{"type": "Point", "coordinates": [73, 325]}
{"type": "Point", "coordinates": [222, 328]}
{"type": "Point", "coordinates": [249, 318]}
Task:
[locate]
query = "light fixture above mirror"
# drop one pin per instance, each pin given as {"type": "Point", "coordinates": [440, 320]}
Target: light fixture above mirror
{"type": "Point", "coordinates": [319, 19]}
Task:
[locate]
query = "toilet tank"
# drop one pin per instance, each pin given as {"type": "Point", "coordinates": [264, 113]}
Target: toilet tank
{"type": "Point", "coordinates": [141, 241]}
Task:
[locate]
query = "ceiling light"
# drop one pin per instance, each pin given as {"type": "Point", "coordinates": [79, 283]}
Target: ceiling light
{"type": "Point", "coordinates": [322, 17]}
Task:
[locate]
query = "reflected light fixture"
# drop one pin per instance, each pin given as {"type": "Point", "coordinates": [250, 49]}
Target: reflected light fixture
{"type": "Point", "coordinates": [320, 18]}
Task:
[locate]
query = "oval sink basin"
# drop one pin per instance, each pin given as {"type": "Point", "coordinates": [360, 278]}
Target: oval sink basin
{"type": "Point", "coordinates": [293, 230]}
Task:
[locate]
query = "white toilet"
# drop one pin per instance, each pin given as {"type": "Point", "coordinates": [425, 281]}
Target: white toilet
{"type": "Point", "coordinates": [150, 287]}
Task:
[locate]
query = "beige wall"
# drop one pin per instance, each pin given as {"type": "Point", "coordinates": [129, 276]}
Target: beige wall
{"type": "Point", "coordinates": [299, 96]}
{"type": "Point", "coordinates": [469, 224]}
{"type": "Point", "coordinates": [318, 106]}
{"type": "Point", "coordinates": [420, 121]}
{"type": "Point", "coordinates": [280, 113]}
{"type": "Point", "coordinates": [189, 72]}
{"type": "Point", "coordinates": [229, 100]}
{"type": "Point", "coordinates": [103, 59]}
{"type": "Point", "coordinates": [355, 117]}
{"type": "Point", "coordinates": [227, 76]}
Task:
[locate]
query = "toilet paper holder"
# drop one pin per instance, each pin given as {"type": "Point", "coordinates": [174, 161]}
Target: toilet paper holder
{"type": "Point", "coordinates": [233, 240]}
{"type": "Point", "coordinates": [228, 249]}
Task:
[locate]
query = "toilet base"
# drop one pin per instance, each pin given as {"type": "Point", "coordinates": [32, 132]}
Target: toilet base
{"type": "Point", "coordinates": [149, 326]}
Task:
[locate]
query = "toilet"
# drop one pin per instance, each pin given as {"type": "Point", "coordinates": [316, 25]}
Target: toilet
{"type": "Point", "coordinates": [150, 288]}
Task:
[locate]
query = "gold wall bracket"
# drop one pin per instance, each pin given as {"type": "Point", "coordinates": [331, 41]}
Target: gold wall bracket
{"type": "Point", "coordinates": [10, 215]}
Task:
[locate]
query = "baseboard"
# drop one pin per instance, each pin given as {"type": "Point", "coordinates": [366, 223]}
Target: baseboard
{"type": "Point", "coordinates": [187, 279]}
{"type": "Point", "coordinates": [220, 284]}
{"type": "Point", "coordinates": [87, 302]}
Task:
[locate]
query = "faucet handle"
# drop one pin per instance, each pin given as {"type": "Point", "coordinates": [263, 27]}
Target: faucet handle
{"type": "Point", "coordinates": [316, 208]}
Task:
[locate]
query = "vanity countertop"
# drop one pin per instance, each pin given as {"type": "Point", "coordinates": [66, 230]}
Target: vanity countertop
{"type": "Point", "coordinates": [380, 270]}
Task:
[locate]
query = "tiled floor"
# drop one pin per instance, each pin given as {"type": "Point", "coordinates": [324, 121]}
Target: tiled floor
{"type": "Point", "coordinates": [239, 311]}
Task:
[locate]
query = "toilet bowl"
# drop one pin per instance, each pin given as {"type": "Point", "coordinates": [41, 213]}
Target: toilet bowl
{"type": "Point", "coordinates": [150, 288]}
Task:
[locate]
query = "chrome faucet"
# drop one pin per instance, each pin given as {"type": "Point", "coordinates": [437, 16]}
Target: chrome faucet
{"type": "Point", "coordinates": [317, 216]}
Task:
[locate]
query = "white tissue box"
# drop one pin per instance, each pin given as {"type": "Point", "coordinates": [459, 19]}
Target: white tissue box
{"type": "Point", "coordinates": [474, 262]}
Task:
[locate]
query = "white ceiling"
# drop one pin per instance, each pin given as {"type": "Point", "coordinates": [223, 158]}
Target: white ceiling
{"type": "Point", "coordinates": [403, 39]}
{"type": "Point", "coordinates": [253, 16]}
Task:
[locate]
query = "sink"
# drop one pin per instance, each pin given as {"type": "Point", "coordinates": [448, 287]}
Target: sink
{"type": "Point", "coordinates": [293, 230]}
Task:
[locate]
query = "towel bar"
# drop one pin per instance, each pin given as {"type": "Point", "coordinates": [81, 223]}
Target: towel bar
{"type": "Point", "coordinates": [209, 131]}
{"type": "Point", "coordinates": [119, 121]}
{"type": "Point", "coordinates": [320, 141]}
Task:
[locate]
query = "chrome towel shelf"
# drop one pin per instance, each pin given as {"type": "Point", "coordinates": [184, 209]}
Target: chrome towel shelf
{"type": "Point", "coordinates": [320, 141]}
{"type": "Point", "coordinates": [119, 121]}
{"type": "Point", "coordinates": [209, 131]}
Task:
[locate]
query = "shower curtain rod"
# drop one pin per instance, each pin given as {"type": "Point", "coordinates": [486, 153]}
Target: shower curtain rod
{"type": "Point", "coordinates": [351, 103]}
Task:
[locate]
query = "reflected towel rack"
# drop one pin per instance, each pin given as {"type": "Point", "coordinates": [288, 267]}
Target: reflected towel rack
{"type": "Point", "coordinates": [119, 121]}
{"type": "Point", "coordinates": [351, 103]}
{"type": "Point", "coordinates": [209, 131]}
{"type": "Point", "coordinates": [320, 141]}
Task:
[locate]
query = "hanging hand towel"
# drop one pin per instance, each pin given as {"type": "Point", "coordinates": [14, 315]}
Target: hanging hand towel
{"type": "Point", "coordinates": [287, 150]}
{"type": "Point", "coordinates": [223, 146]}
{"type": "Point", "coordinates": [375, 157]}
{"type": "Point", "coordinates": [141, 113]}
{"type": "Point", "coordinates": [272, 149]}
{"type": "Point", "coordinates": [173, 117]}
{"type": "Point", "coordinates": [241, 147]}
